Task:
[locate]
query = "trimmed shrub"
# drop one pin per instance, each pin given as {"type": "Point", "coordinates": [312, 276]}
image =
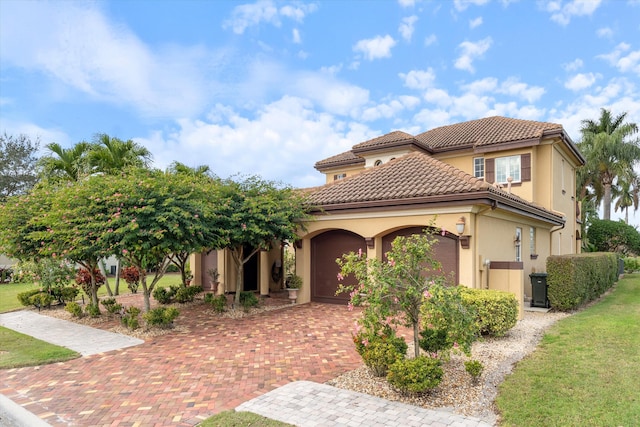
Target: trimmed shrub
{"type": "Point", "coordinates": [379, 354]}
{"type": "Point", "coordinates": [162, 317]}
{"type": "Point", "coordinates": [111, 305]}
{"type": "Point", "coordinates": [434, 341]}
{"type": "Point", "coordinates": [415, 375]}
{"type": "Point", "coordinates": [130, 318]}
{"type": "Point", "coordinates": [187, 293]}
{"type": "Point", "coordinates": [497, 311]}
{"type": "Point", "coordinates": [248, 299]}
{"type": "Point", "coordinates": [165, 295]}
{"type": "Point", "coordinates": [218, 303]}
{"type": "Point", "coordinates": [75, 309]}
{"type": "Point", "coordinates": [41, 300]}
{"type": "Point", "coordinates": [93, 310]}
{"type": "Point", "coordinates": [25, 297]}
{"type": "Point", "coordinates": [83, 278]}
{"type": "Point", "coordinates": [473, 368]}
{"type": "Point", "coordinates": [577, 279]}
{"type": "Point", "coordinates": [131, 275]}
{"type": "Point", "coordinates": [631, 264]}
{"type": "Point", "coordinates": [613, 236]}
{"type": "Point", "coordinates": [65, 294]}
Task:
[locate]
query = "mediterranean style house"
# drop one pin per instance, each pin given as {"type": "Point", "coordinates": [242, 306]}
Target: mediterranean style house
{"type": "Point", "coordinates": [499, 192]}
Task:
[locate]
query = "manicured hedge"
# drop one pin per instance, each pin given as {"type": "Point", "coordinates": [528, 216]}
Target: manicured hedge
{"type": "Point", "coordinates": [497, 310]}
{"type": "Point", "coordinates": [579, 278]}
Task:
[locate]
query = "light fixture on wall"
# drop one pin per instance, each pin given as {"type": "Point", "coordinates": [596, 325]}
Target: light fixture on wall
{"type": "Point", "coordinates": [464, 240]}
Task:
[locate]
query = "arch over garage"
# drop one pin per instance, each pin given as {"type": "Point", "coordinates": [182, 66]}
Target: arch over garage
{"type": "Point", "coordinates": [325, 249]}
{"type": "Point", "coordinates": [445, 249]}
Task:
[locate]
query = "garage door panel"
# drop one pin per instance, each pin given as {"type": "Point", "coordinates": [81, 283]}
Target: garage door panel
{"type": "Point", "coordinates": [325, 249]}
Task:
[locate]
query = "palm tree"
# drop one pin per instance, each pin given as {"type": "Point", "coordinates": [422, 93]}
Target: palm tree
{"type": "Point", "coordinates": [608, 153]}
{"type": "Point", "coordinates": [111, 155]}
{"type": "Point", "coordinates": [66, 163]}
{"type": "Point", "coordinates": [627, 194]}
{"type": "Point", "coordinates": [180, 168]}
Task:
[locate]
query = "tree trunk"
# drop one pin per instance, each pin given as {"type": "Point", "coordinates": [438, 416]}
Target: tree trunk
{"type": "Point", "coordinates": [145, 291]}
{"type": "Point", "coordinates": [117, 289]}
{"type": "Point", "coordinates": [416, 333]}
{"type": "Point", "coordinates": [606, 200]}
{"type": "Point", "coordinates": [103, 270]}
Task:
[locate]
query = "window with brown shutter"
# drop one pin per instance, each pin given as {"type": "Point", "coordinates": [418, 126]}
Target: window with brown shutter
{"type": "Point", "coordinates": [489, 170]}
{"type": "Point", "coordinates": [525, 166]}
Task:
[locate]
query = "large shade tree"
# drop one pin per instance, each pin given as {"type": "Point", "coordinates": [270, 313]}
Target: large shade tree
{"type": "Point", "coordinates": [610, 152]}
{"type": "Point", "coordinates": [258, 214]}
{"type": "Point", "coordinates": [18, 161]}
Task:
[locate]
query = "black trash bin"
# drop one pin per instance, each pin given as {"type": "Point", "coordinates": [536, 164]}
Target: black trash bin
{"type": "Point", "coordinates": [539, 290]}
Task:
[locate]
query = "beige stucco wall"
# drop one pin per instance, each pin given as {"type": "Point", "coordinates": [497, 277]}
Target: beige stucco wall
{"type": "Point", "coordinates": [349, 171]}
{"type": "Point", "coordinates": [509, 281]}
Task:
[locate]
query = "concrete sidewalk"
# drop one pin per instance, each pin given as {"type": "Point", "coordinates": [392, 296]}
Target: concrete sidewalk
{"type": "Point", "coordinates": [309, 404]}
{"type": "Point", "coordinates": [83, 339]}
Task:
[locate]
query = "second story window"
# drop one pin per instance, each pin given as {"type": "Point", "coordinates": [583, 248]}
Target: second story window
{"type": "Point", "coordinates": [339, 176]}
{"type": "Point", "coordinates": [508, 167]}
{"type": "Point", "coordinates": [478, 167]}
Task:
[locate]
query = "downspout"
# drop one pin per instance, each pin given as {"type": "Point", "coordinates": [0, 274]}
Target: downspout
{"type": "Point", "coordinates": [557, 228]}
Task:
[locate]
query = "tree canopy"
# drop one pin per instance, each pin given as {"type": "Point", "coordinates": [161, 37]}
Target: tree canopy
{"type": "Point", "coordinates": [18, 164]}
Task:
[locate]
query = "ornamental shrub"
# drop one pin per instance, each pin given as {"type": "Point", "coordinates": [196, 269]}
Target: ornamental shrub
{"type": "Point", "coordinates": [93, 310]}
{"type": "Point", "coordinates": [379, 354]}
{"type": "Point", "coordinates": [248, 299]}
{"type": "Point", "coordinates": [111, 305]}
{"type": "Point", "coordinates": [165, 295]}
{"type": "Point", "coordinates": [75, 309]}
{"type": "Point", "coordinates": [613, 236]}
{"type": "Point", "coordinates": [162, 317]}
{"type": "Point", "coordinates": [131, 275]}
{"type": "Point", "coordinates": [130, 318]}
{"type": "Point", "coordinates": [416, 375]}
{"type": "Point", "coordinates": [83, 278]}
{"type": "Point", "coordinates": [25, 297]}
{"type": "Point", "coordinates": [474, 368]}
{"type": "Point", "coordinates": [219, 302]}
{"type": "Point", "coordinates": [187, 293]}
{"type": "Point", "coordinates": [631, 264]}
{"type": "Point", "coordinates": [41, 300]}
{"type": "Point", "coordinates": [496, 311]}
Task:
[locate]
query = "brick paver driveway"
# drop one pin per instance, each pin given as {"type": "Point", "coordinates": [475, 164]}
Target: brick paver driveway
{"type": "Point", "coordinates": [181, 378]}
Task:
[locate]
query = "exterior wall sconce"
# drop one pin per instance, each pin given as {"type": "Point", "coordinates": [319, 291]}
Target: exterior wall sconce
{"type": "Point", "coordinates": [370, 241]}
{"type": "Point", "coordinates": [464, 240]}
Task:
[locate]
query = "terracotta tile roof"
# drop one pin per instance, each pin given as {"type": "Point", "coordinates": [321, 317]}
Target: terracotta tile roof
{"type": "Point", "coordinates": [487, 131]}
{"type": "Point", "coordinates": [411, 176]}
{"type": "Point", "coordinates": [345, 158]}
{"type": "Point", "coordinates": [390, 139]}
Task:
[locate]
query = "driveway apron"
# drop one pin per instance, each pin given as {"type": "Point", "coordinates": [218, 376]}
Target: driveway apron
{"type": "Point", "coordinates": [212, 364]}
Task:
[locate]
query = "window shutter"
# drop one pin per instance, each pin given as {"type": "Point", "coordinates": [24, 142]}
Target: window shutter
{"type": "Point", "coordinates": [490, 170]}
{"type": "Point", "coordinates": [525, 167]}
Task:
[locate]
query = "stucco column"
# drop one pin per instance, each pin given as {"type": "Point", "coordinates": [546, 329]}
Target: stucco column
{"type": "Point", "coordinates": [264, 273]}
{"type": "Point", "coordinates": [195, 263]}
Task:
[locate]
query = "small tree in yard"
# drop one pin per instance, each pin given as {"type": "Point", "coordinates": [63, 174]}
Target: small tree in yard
{"type": "Point", "coordinates": [257, 214]}
{"type": "Point", "coordinates": [392, 291]}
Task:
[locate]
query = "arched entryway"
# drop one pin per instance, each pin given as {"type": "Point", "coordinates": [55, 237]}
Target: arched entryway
{"type": "Point", "coordinates": [445, 250]}
{"type": "Point", "coordinates": [325, 249]}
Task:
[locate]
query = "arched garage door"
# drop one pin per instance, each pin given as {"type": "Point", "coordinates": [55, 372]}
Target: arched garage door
{"type": "Point", "coordinates": [325, 249]}
{"type": "Point", "coordinates": [445, 250]}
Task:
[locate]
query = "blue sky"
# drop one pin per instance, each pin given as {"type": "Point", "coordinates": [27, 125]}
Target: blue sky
{"type": "Point", "coordinates": [271, 87]}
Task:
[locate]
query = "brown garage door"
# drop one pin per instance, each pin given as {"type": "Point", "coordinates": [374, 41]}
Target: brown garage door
{"type": "Point", "coordinates": [325, 249]}
{"type": "Point", "coordinates": [445, 250]}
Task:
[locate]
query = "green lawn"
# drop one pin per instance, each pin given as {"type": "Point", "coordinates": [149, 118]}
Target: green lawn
{"type": "Point", "coordinates": [9, 291]}
{"type": "Point", "coordinates": [240, 419]}
{"type": "Point", "coordinates": [17, 350]}
{"type": "Point", "coordinates": [585, 371]}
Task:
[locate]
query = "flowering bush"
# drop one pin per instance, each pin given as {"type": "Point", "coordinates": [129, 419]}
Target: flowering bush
{"type": "Point", "coordinates": [83, 278]}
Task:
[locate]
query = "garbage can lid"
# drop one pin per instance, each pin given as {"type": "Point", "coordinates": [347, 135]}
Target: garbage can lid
{"type": "Point", "coordinates": [538, 275]}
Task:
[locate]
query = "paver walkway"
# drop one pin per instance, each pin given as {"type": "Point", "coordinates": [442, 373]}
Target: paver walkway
{"type": "Point", "coordinates": [213, 364]}
{"type": "Point", "coordinates": [308, 404]}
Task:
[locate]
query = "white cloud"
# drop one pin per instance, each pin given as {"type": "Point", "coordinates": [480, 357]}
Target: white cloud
{"type": "Point", "coordinates": [438, 97]}
{"type": "Point", "coordinates": [407, 3]}
{"type": "Point", "coordinates": [573, 65]}
{"type": "Point", "coordinates": [513, 87]}
{"type": "Point", "coordinates": [628, 63]}
{"type": "Point", "coordinates": [605, 32]}
{"type": "Point", "coordinates": [562, 14]}
{"type": "Point", "coordinates": [78, 46]}
{"type": "Point", "coordinates": [470, 52]}
{"type": "Point", "coordinates": [389, 109]}
{"type": "Point", "coordinates": [419, 79]}
{"type": "Point", "coordinates": [407, 27]}
{"type": "Point", "coordinates": [473, 23]}
{"type": "Point", "coordinates": [430, 39]}
{"type": "Point", "coordinates": [375, 48]}
{"type": "Point", "coordinates": [248, 15]}
{"type": "Point", "coordinates": [488, 84]}
{"type": "Point", "coordinates": [332, 95]}
{"type": "Point", "coordinates": [35, 133]}
{"type": "Point", "coordinates": [461, 5]}
{"type": "Point", "coordinates": [581, 81]}
{"type": "Point", "coordinates": [295, 33]}
{"type": "Point", "coordinates": [287, 133]}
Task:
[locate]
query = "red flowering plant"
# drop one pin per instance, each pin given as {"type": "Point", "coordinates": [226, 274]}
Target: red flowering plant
{"type": "Point", "coordinates": [131, 275]}
{"type": "Point", "coordinates": [83, 278]}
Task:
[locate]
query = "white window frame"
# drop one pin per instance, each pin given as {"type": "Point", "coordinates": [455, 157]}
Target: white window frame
{"type": "Point", "coordinates": [532, 240]}
{"type": "Point", "coordinates": [478, 167]}
{"type": "Point", "coordinates": [510, 166]}
{"type": "Point", "coordinates": [339, 176]}
{"type": "Point", "coordinates": [518, 242]}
